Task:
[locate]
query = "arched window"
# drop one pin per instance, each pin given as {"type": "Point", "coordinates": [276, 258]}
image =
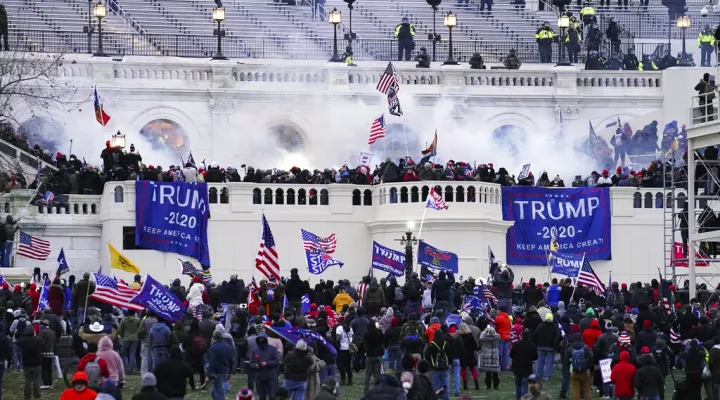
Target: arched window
{"type": "Point", "coordinates": [119, 195]}
{"type": "Point", "coordinates": [268, 196]}
{"type": "Point", "coordinates": [166, 135]}
{"type": "Point", "coordinates": [301, 197]}
{"type": "Point", "coordinates": [76, 208]}
{"type": "Point", "coordinates": [658, 200]}
{"type": "Point", "coordinates": [404, 194]}
{"type": "Point", "coordinates": [393, 195]}
{"type": "Point", "coordinates": [256, 196]}
{"type": "Point", "coordinates": [356, 198]}
{"type": "Point", "coordinates": [291, 197]}
{"type": "Point", "coordinates": [279, 196]}
{"type": "Point", "coordinates": [460, 194]}
{"type": "Point", "coordinates": [471, 194]}
{"type": "Point", "coordinates": [668, 200]}
{"type": "Point", "coordinates": [212, 195]}
{"type": "Point", "coordinates": [449, 192]}
{"type": "Point", "coordinates": [313, 197]}
{"type": "Point", "coordinates": [637, 200]}
{"type": "Point", "coordinates": [85, 208]}
{"type": "Point", "coordinates": [6, 207]}
{"type": "Point", "coordinates": [414, 194]}
{"type": "Point", "coordinates": [648, 203]}
{"type": "Point", "coordinates": [93, 208]}
{"type": "Point", "coordinates": [425, 191]}
{"type": "Point", "coordinates": [224, 196]}
{"type": "Point", "coordinates": [367, 197]}
{"type": "Point", "coordinates": [324, 197]}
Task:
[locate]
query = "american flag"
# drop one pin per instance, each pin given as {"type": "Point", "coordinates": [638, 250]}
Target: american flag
{"type": "Point", "coordinates": [316, 244]}
{"type": "Point", "coordinates": [674, 336]}
{"type": "Point", "coordinates": [387, 80]}
{"type": "Point", "coordinates": [362, 288]}
{"type": "Point", "coordinates": [666, 305]}
{"type": "Point", "coordinates": [32, 247]}
{"type": "Point", "coordinates": [377, 129]}
{"type": "Point", "coordinates": [108, 290]}
{"type": "Point", "coordinates": [589, 278]}
{"type": "Point", "coordinates": [267, 257]}
{"type": "Point", "coordinates": [189, 269]}
{"type": "Point", "coordinates": [48, 197]}
{"type": "Point", "coordinates": [484, 293]}
{"type": "Point", "coordinates": [435, 201]}
{"type": "Point", "coordinates": [198, 313]}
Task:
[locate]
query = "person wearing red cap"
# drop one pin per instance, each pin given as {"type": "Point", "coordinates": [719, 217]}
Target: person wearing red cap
{"type": "Point", "coordinates": [622, 376]}
{"type": "Point", "coordinates": [604, 180]}
{"type": "Point", "coordinates": [195, 293]}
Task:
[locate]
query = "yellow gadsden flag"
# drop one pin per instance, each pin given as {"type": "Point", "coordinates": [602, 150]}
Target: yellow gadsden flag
{"type": "Point", "coordinates": [119, 261]}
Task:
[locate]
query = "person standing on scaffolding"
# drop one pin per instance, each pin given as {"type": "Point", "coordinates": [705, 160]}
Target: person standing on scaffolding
{"type": "Point", "coordinates": [405, 34]}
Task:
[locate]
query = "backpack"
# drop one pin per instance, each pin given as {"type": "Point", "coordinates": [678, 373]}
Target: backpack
{"type": "Point", "coordinates": [577, 357]}
{"type": "Point", "coordinates": [399, 296]}
{"type": "Point", "coordinates": [20, 329]}
{"type": "Point", "coordinates": [92, 369]}
{"type": "Point", "coordinates": [441, 360]}
{"type": "Point", "coordinates": [198, 346]}
{"type": "Point", "coordinates": [414, 291]}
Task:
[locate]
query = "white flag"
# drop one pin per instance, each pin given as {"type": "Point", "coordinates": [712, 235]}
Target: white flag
{"type": "Point", "coordinates": [364, 159]}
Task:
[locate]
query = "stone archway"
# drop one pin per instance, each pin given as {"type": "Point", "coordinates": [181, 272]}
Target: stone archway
{"type": "Point", "coordinates": [43, 131]}
{"type": "Point", "coordinates": [165, 134]}
{"type": "Point", "coordinates": [288, 137]}
{"type": "Point", "coordinates": [509, 136]}
{"type": "Point", "coordinates": [393, 144]}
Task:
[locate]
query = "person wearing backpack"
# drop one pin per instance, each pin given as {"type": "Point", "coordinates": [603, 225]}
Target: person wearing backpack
{"type": "Point", "coordinates": [413, 292]}
{"type": "Point", "coordinates": [95, 367]}
{"type": "Point", "coordinates": [436, 355]}
{"type": "Point", "coordinates": [195, 349]}
{"type": "Point", "coordinates": [31, 348]}
{"type": "Point", "coordinates": [581, 359]}
{"type": "Point", "coordinates": [17, 331]}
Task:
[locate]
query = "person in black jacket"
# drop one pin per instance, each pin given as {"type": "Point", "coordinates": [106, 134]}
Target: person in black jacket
{"type": "Point", "coordinates": [532, 295]}
{"type": "Point", "coordinates": [413, 291]}
{"type": "Point", "coordinates": [405, 34]}
{"type": "Point", "coordinates": [441, 294]}
{"type": "Point", "coordinates": [503, 279]}
{"type": "Point", "coordinates": [297, 364]}
{"type": "Point", "coordinates": [546, 337]}
{"type": "Point", "coordinates": [523, 354]}
{"type": "Point", "coordinates": [386, 387]}
{"type": "Point", "coordinates": [693, 361]}
{"type": "Point", "coordinates": [374, 350]}
{"type": "Point", "coordinates": [31, 348]}
{"type": "Point", "coordinates": [234, 299]}
{"type": "Point", "coordinates": [646, 337]}
{"type": "Point", "coordinates": [173, 376]}
{"type": "Point", "coordinates": [649, 381]}
{"type": "Point", "coordinates": [294, 290]}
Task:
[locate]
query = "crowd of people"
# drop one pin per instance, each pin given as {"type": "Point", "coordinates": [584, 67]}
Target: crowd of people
{"type": "Point", "coordinates": [418, 340]}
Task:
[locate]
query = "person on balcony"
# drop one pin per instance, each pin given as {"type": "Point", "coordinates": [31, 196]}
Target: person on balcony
{"type": "Point", "coordinates": [594, 37]}
{"type": "Point", "coordinates": [423, 60]}
{"type": "Point", "coordinates": [613, 34]}
{"type": "Point", "coordinates": [405, 34]}
{"type": "Point", "coordinates": [572, 43]}
{"type": "Point", "coordinates": [647, 64]}
{"type": "Point", "coordinates": [545, 37]}
{"type": "Point", "coordinates": [512, 61]}
{"type": "Point", "coordinates": [587, 14]}
{"type": "Point", "coordinates": [630, 61]}
{"type": "Point", "coordinates": [667, 60]}
{"type": "Point", "coordinates": [706, 43]}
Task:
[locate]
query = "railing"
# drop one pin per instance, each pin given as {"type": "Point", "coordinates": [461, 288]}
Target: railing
{"type": "Point", "coordinates": [649, 198]}
{"type": "Point", "coordinates": [703, 111]}
{"type": "Point", "coordinates": [23, 156]}
{"type": "Point", "coordinates": [78, 204]}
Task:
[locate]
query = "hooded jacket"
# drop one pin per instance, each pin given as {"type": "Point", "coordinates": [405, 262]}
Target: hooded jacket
{"type": "Point", "coordinates": [297, 365]}
{"type": "Point", "coordinates": [340, 300]}
{"type": "Point", "coordinates": [56, 299]}
{"type": "Point", "coordinates": [178, 290]}
{"type": "Point", "coordinates": [264, 353]}
{"type": "Point", "coordinates": [104, 371]}
{"type": "Point", "coordinates": [523, 355]}
{"type": "Point", "coordinates": [648, 378]}
{"type": "Point", "coordinates": [623, 376]}
{"type": "Point", "coordinates": [160, 336]}
{"type": "Point", "coordinates": [195, 295]}
{"type": "Point", "coordinates": [85, 394]}
{"type": "Point", "coordinates": [129, 328]}
{"type": "Point", "coordinates": [112, 359]}
{"type": "Point", "coordinates": [646, 338]}
{"type": "Point", "coordinates": [386, 388]}
{"type": "Point", "coordinates": [591, 334]}
{"type": "Point", "coordinates": [547, 335]}
{"type": "Point", "coordinates": [375, 296]}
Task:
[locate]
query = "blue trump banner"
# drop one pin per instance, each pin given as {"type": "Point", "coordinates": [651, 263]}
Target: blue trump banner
{"type": "Point", "coordinates": [305, 304]}
{"type": "Point", "coordinates": [173, 217]}
{"type": "Point", "coordinates": [388, 260]}
{"type": "Point", "coordinates": [155, 297]}
{"type": "Point", "coordinates": [565, 264]}
{"type": "Point", "coordinates": [292, 335]}
{"type": "Point", "coordinates": [435, 258]}
{"type": "Point", "coordinates": [318, 262]}
{"type": "Point", "coordinates": [44, 297]}
{"type": "Point", "coordinates": [579, 218]}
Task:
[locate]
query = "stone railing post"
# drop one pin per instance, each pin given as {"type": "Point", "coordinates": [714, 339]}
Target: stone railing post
{"type": "Point", "coordinates": [566, 80]}
{"type": "Point", "coordinates": [222, 74]}
{"type": "Point", "coordinates": [338, 79]}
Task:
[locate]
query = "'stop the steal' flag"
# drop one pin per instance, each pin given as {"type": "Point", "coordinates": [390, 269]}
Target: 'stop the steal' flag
{"type": "Point", "coordinates": [434, 258]}
{"type": "Point", "coordinates": [155, 297]}
{"type": "Point", "coordinates": [578, 217]}
{"type": "Point", "coordinates": [173, 217]}
{"type": "Point", "coordinates": [565, 264]}
{"type": "Point", "coordinates": [316, 252]}
{"type": "Point", "coordinates": [388, 260]}
{"type": "Point", "coordinates": [435, 200]}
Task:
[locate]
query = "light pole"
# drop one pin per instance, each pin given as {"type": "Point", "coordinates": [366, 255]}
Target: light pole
{"type": "Point", "coordinates": [563, 24]}
{"type": "Point", "coordinates": [89, 29]}
{"type": "Point", "coordinates": [100, 12]}
{"type": "Point", "coordinates": [408, 241]}
{"type": "Point", "coordinates": [350, 36]}
{"type": "Point", "coordinates": [218, 16]}
{"type": "Point", "coordinates": [335, 18]}
{"type": "Point", "coordinates": [683, 22]}
{"type": "Point", "coordinates": [434, 36]}
{"type": "Point", "coordinates": [451, 22]}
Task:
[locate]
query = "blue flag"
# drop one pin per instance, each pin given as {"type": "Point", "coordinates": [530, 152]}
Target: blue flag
{"type": "Point", "coordinates": [318, 262]}
{"type": "Point", "coordinates": [62, 265]}
{"type": "Point", "coordinates": [388, 260]}
{"type": "Point", "coordinates": [453, 319]}
{"type": "Point", "coordinates": [472, 302]}
{"type": "Point", "coordinates": [44, 302]}
{"type": "Point", "coordinates": [565, 264]}
{"type": "Point", "coordinates": [292, 335]}
{"type": "Point", "coordinates": [434, 258]}
{"type": "Point", "coordinates": [173, 217]}
{"type": "Point", "coordinates": [305, 304]}
{"type": "Point", "coordinates": [156, 298]}
{"type": "Point", "coordinates": [3, 281]}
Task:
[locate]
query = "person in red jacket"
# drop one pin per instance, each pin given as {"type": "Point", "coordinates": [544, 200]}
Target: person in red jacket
{"type": "Point", "coordinates": [622, 377]}
{"type": "Point", "coordinates": [79, 389]}
{"type": "Point", "coordinates": [34, 296]}
{"type": "Point", "coordinates": [503, 325]}
{"type": "Point", "coordinates": [90, 356]}
{"type": "Point", "coordinates": [56, 297]}
{"type": "Point", "coordinates": [591, 334]}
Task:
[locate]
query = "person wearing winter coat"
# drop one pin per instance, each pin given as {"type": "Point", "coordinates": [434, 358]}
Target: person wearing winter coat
{"type": "Point", "coordinates": [56, 298]}
{"type": "Point", "coordinates": [178, 290]}
{"type": "Point", "coordinates": [386, 387]}
{"type": "Point", "coordinates": [646, 337]}
{"type": "Point", "coordinates": [116, 369]}
{"type": "Point", "coordinates": [79, 388]}
{"type": "Point", "coordinates": [490, 357]}
{"type": "Point", "coordinates": [649, 381]}
{"type": "Point", "coordinates": [297, 366]}
{"type": "Point", "coordinates": [503, 280]}
{"type": "Point", "coordinates": [693, 361]}
{"type": "Point", "coordinates": [328, 390]}
{"type": "Point", "coordinates": [220, 361]}
{"type": "Point", "coordinates": [468, 361]}
{"type": "Point", "coordinates": [159, 336]}
{"type": "Point", "coordinates": [80, 296]}
{"type": "Point", "coordinates": [264, 360]}
{"type": "Point", "coordinates": [195, 294]}
{"type": "Point", "coordinates": [341, 300]}
{"type": "Point", "coordinates": [591, 334]}
{"type": "Point", "coordinates": [313, 380]}
{"type": "Point", "coordinates": [173, 376]}
{"type": "Point", "coordinates": [128, 332]}
{"type": "Point", "coordinates": [523, 354]}
{"type": "Point", "coordinates": [580, 379]}
{"type": "Point", "coordinates": [623, 377]}
{"type": "Point", "coordinates": [144, 335]}
{"type": "Point", "coordinates": [532, 295]}
{"type": "Point", "coordinates": [532, 320]}
{"type": "Point", "coordinates": [546, 337]}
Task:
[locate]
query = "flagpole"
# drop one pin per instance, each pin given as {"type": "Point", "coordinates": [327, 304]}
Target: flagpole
{"type": "Point", "coordinates": [422, 221]}
{"type": "Point", "coordinates": [407, 153]}
{"type": "Point", "coordinates": [576, 278]}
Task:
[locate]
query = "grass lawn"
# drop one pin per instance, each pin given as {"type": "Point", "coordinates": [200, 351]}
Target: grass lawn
{"type": "Point", "coordinates": [13, 384]}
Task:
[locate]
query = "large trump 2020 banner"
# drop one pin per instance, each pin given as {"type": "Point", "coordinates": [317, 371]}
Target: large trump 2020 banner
{"type": "Point", "coordinates": [579, 218]}
{"type": "Point", "coordinates": [173, 217]}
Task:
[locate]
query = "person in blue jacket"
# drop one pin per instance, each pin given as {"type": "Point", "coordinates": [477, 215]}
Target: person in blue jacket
{"type": "Point", "coordinates": [264, 360]}
{"type": "Point", "coordinates": [553, 294]}
{"type": "Point", "coordinates": [220, 360]}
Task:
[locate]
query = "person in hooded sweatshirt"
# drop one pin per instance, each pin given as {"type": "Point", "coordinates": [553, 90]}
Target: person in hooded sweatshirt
{"type": "Point", "coordinates": [623, 376]}
{"type": "Point", "coordinates": [532, 320]}
{"type": "Point", "coordinates": [374, 298]}
{"type": "Point", "coordinates": [532, 295]}
{"type": "Point", "coordinates": [649, 381]}
{"type": "Point", "coordinates": [580, 358]}
{"type": "Point", "coordinates": [178, 290]}
{"type": "Point", "coordinates": [116, 369]}
{"type": "Point", "coordinates": [297, 365]}
{"type": "Point", "coordinates": [264, 360]}
{"type": "Point", "coordinates": [159, 342]}
{"type": "Point", "coordinates": [546, 337]}
{"type": "Point", "coordinates": [553, 294]}
{"type": "Point", "coordinates": [386, 387]}
{"type": "Point", "coordinates": [523, 354]}
{"type": "Point", "coordinates": [646, 337]}
{"type": "Point", "coordinates": [693, 361]}
{"type": "Point", "coordinates": [79, 389]}
{"type": "Point", "coordinates": [173, 376]}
